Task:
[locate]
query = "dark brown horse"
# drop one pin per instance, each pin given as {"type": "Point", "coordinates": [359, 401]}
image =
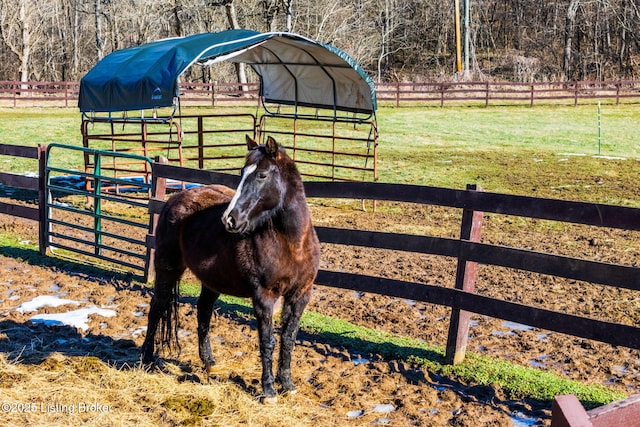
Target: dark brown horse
{"type": "Point", "coordinates": [257, 242]}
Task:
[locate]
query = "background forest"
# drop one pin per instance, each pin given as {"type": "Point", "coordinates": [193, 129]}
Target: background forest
{"type": "Point", "coordinates": [394, 40]}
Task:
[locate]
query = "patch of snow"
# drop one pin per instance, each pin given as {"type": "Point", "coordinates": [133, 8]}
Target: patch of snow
{"type": "Point", "coordinates": [138, 331]}
{"type": "Point", "coordinates": [355, 414]}
{"type": "Point", "coordinates": [384, 408]}
{"type": "Point", "coordinates": [609, 157]}
{"type": "Point", "coordinates": [77, 318]}
{"type": "Point", "coordinates": [44, 301]}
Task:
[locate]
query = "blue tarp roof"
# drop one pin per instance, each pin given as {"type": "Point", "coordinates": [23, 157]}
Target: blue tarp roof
{"type": "Point", "coordinates": [293, 69]}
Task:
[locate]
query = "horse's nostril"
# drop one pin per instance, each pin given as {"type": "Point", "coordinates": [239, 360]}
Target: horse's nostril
{"type": "Point", "coordinates": [231, 223]}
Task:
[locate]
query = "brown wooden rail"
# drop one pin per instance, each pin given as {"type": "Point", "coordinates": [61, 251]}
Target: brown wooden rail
{"type": "Point", "coordinates": [396, 93]}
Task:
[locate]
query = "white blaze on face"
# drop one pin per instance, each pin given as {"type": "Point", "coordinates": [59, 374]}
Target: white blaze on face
{"type": "Point", "coordinates": [248, 170]}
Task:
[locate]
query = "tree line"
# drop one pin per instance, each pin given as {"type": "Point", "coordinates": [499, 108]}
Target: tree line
{"type": "Point", "coordinates": [393, 40]}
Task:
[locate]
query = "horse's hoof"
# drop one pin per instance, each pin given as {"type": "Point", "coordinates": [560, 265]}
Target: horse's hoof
{"type": "Point", "coordinates": [269, 400]}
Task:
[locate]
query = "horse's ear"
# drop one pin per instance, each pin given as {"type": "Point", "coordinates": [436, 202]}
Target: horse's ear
{"type": "Point", "coordinates": [271, 146]}
{"type": "Point", "coordinates": [251, 143]}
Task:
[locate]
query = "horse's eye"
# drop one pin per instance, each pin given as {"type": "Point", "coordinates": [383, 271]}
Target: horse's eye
{"type": "Point", "coordinates": [262, 175]}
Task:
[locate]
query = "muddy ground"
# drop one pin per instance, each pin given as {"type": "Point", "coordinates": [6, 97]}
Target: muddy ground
{"type": "Point", "coordinates": [357, 388]}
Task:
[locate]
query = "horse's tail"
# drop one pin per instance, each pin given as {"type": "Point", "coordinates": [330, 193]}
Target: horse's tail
{"type": "Point", "coordinates": [168, 271]}
{"type": "Point", "coordinates": [169, 319]}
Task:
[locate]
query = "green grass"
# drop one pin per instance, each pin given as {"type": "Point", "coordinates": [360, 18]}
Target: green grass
{"type": "Point", "coordinates": [546, 151]}
{"type": "Point", "coordinates": [540, 151]}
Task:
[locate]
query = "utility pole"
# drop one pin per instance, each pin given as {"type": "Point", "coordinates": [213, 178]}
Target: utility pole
{"type": "Point", "coordinates": [456, 6]}
{"type": "Point", "coordinates": [467, 12]}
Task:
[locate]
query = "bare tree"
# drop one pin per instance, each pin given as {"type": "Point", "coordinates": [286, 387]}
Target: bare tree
{"type": "Point", "coordinates": [568, 37]}
{"type": "Point", "coordinates": [19, 24]}
{"type": "Point", "coordinates": [391, 39]}
{"type": "Point", "coordinates": [97, 14]}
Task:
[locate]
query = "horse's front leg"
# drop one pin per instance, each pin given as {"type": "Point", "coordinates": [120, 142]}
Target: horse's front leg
{"type": "Point", "coordinates": [291, 312]}
{"type": "Point", "coordinates": [205, 309]}
{"type": "Point", "coordinates": [263, 309]}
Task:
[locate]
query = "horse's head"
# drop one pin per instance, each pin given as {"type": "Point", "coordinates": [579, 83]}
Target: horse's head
{"type": "Point", "coordinates": [262, 188]}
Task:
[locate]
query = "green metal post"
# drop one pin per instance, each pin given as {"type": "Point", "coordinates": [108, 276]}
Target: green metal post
{"type": "Point", "coordinates": [599, 129]}
{"type": "Point", "coordinates": [97, 204]}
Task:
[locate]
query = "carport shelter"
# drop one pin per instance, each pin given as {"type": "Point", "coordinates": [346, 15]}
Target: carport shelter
{"type": "Point", "coordinates": [293, 70]}
{"type": "Point", "coordinates": [312, 80]}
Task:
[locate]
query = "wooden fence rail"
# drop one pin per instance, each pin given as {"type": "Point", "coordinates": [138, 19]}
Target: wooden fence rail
{"type": "Point", "coordinates": [18, 93]}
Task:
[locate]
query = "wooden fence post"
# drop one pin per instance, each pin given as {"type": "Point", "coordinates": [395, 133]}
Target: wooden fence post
{"type": "Point", "coordinates": [533, 91]}
{"type": "Point", "coordinates": [158, 192]}
{"type": "Point", "coordinates": [568, 412]}
{"type": "Point", "coordinates": [42, 200]}
{"type": "Point", "coordinates": [213, 94]}
{"type": "Point", "coordinates": [465, 280]}
{"type": "Point", "coordinates": [397, 94]}
{"type": "Point", "coordinates": [486, 99]}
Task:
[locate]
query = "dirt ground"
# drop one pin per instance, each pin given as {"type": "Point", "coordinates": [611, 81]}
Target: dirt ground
{"type": "Point", "coordinates": [358, 389]}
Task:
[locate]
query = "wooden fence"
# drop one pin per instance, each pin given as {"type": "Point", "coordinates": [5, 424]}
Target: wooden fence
{"type": "Point", "coordinates": [399, 94]}
{"type": "Point", "coordinates": [507, 93]}
{"type": "Point", "coordinates": [31, 183]}
{"type": "Point", "coordinates": [468, 250]}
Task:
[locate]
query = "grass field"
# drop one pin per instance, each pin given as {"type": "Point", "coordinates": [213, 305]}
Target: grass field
{"type": "Point", "coordinates": [548, 151]}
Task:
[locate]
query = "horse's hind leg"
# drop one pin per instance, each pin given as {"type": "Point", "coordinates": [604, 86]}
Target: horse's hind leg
{"type": "Point", "coordinates": [291, 312]}
{"type": "Point", "coordinates": [205, 308]}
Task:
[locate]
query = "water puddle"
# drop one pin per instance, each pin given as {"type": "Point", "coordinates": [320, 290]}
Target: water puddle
{"type": "Point", "coordinates": [516, 326]}
{"type": "Point", "coordinates": [520, 420]}
{"type": "Point", "coordinates": [360, 361]}
{"type": "Point", "coordinates": [539, 362]}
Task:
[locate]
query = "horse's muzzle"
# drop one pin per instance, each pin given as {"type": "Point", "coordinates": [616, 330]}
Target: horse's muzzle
{"type": "Point", "coordinates": [232, 225]}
